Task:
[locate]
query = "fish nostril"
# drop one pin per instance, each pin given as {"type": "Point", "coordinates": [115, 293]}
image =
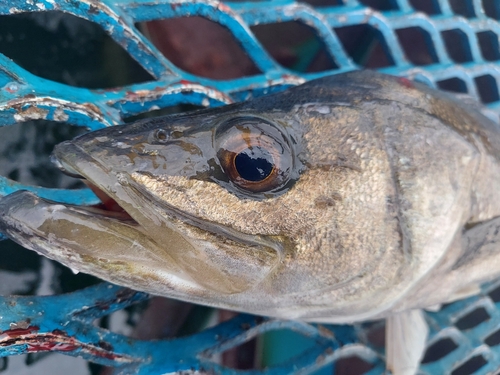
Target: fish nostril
{"type": "Point", "coordinates": [161, 135]}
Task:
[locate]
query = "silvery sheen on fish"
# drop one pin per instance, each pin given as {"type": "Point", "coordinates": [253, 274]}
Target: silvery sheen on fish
{"type": "Point", "coordinates": [352, 197]}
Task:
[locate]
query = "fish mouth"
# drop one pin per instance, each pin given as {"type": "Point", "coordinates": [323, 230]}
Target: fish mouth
{"type": "Point", "coordinates": [108, 206]}
{"type": "Point", "coordinates": [135, 240]}
{"type": "Point", "coordinates": [115, 242]}
{"type": "Point", "coordinates": [82, 166]}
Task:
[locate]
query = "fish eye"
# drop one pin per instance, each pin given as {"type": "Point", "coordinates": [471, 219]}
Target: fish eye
{"type": "Point", "coordinates": [254, 155]}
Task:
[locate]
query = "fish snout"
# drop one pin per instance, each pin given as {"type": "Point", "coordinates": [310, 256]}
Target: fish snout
{"type": "Point", "coordinates": [13, 205]}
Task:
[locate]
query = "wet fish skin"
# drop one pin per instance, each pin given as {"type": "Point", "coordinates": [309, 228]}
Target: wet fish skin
{"type": "Point", "coordinates": [390, 183]}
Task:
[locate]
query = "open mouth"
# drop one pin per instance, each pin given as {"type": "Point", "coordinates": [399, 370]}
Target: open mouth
{"type": "Point", "coordinates": [107, 203]}
{"type": "Point", "coordinates": [134, 237]}
{"type": "Point", "coordinates": [108, 206]}
{"type": "Point", "coordinates": [77, 163]}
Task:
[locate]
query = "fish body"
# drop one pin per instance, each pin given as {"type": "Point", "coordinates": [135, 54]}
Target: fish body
{"type": "Point", "coordinates": [351, 197]}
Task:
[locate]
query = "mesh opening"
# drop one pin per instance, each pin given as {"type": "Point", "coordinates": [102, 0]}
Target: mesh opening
{"type": "Point", "coordinates": [160, 318]}
{"type": "Point", "coordinates": [273, 353]}
{"type": "Point", "coordinates": [32, 358]}
{"type": "Point", "coordinates": [96, 369]}
{"type": "Point", "coordinates": [487, 88]}
{"type": "Point", "coordinates": [26, 154]}
{"type": "Point", "coordinates": [381, 4]}
{"type": "Point", "coordinates": [74, 282]}
{"type": "Point", "coordinates": [457, 45]}
{"type": "Point", "coordinates": [471, 366]}
{"type": "Point", "coordinates": [365, 45]}
{"type": "Point", "coordinates": [199, 318]}
{"type": "Point", "coordinates": [492, 8]}
{"type": "Point", "coordinates": [488, 43]}
{"type": "Point", "coordinates": [67, 49]}
{"type": "Point", "coordinates": [352, 366]}
{"type": "Point", "coordinates": [242, 357]}
{"type": "Point", "coordinates": [472, 319]}
{"type": "Point", "coordinates": [294, 46]}
{"type": "Point", "coordinates": [270, 348]}
{"type": "Point", "coordinates": [158, 322]}
{"type": "Point", "coordinates": [453, 84]}
{"type": "Point", "coordinates": [493, 339]}
{"type": "Point", "coordinates": [320, 3]}
{"type": "Point", "coordinates": [24, 262]}
{"type": "Point", "coordinates": [200, 47]}
{"type": "Point", "coordinates": [376, 335]}
{"type": "Point", "coordinates": [45, 363]}
{"type": "Point", "coordinates": [3, 363]}
{"type": "Point", "coordinates": [495, 294]}
{"type": "Point", "coordinates": [122, 321]}
{"type": "Point", "coordinates": [429, 7]}
{"type": "Point", "coordinates": [463, 8]}
{"type": "Point", "coordinates": [439, 349]}
{"type": "Point", "coordinates": [417, 45]}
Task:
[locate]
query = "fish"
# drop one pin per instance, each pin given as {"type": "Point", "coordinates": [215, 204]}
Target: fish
{"type": "Point", "coordinates": [352, 197]}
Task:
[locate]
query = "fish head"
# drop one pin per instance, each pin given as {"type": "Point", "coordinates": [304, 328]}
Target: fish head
{"type": "Point", "coordinates": [281, 206]}
{"type": "Point", "coordinates": [156, 172]}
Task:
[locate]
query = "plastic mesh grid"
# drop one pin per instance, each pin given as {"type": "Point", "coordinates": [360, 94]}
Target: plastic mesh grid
{"type": "Point", "coordinates": [459, 51]}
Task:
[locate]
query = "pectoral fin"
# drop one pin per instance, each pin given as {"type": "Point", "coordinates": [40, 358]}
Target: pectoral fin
{"type": "Point", "coordinates": [406, 334]}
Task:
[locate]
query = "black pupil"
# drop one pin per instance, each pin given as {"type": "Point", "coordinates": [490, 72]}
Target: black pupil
{"type": "Point", "coordinates": [253, 164]}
